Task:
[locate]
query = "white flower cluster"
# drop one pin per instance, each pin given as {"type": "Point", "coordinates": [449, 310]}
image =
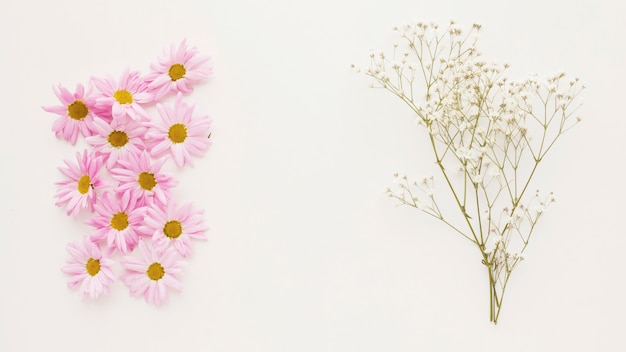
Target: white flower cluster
{"type": "Point", "coordinates": [409, 192]}
{"type": "Point", "coordinates": [488, 135]}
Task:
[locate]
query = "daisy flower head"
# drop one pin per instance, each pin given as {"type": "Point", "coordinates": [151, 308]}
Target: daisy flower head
{"type": "Point", "coordinates": [143, 179]}
{"type": "Point", "coordinates": [117, 139]}
{"type": "Point", "coordinates": [117, 221]}
{"type": "Point", "coordinates": [152, 272]}
{"type": "Point", "coordinates": [78, 191]}
{"type": "Point", "coordinates": [172, 225]}
{"type": "Point", "coordinates": [124, 97]}
{"type": "Point", "coordinates": [89, 267]}
{"type": "Point", "coordinates": [177, 70]}
{"type": "Point", "coordinates": [179, 133]}
{"type": "Point", "coordinates": [75, 113]}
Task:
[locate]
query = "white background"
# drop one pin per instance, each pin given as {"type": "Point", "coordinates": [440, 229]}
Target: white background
{"type": "Point", "coordinates": [305, 251]}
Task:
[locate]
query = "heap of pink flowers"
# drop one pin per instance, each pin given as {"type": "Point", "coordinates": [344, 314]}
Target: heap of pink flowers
{"type": "Point", "coordinates": [119, 183]}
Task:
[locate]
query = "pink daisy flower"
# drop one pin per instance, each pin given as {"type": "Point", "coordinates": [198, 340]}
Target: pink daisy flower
{"type": "Point", "coordinates": [178, 133]}
{"type": "Point", "coordinates": [79, 190]}
{"type": "Point", "coordinates": [152, 272]}
{"type": "Point", "coordinates": [177, 69]}
{"type": "Point", "coordinates": [117, 140]}
{"type": "Point", "coordinates": [75, 113]}
{"type": "Point", "coordinates": [142, 179]}
{"type": "Point", "coordinates": [89, 267]}
{"type": "Point", "coordinates": [170, 225]}
{"type": "Point", "coordinates": [118, 221]}
{"type": "Point", "coordinates": [124, 96]}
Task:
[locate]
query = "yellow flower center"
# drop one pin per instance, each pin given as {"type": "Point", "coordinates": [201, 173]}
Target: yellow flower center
{"type": "Point", "coordinates": [173, 229]}
{"type": "Point", "coordinates": [123, 96]}
{"type": "Point", "coordinates": [119, 221]}
{"type": "Point", "coordinates": [93, 266]}
{"type": "Point", "coordinates": [118, 139]}
{"type": "Point", "coordinates": [83, 184]}
{"type": "Point", "coordinates": [177, 71]}
{"type": "Point", "coordinates": [177, 133]}
{"type": "Point", "coordinates": [77, 110]}
{"type": "Point", "coordinates": [155, 271]}
{"type": "Point", "coordinates": [147, 181]}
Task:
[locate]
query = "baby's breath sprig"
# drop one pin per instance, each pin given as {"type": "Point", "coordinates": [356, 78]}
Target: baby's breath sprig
{"type": "Point", "coordinates": [488, 134]}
